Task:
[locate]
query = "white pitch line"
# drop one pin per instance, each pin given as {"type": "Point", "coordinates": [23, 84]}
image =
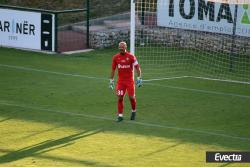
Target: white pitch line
{"type": "Point", "coordinates": [167, 78]}
{"type": "Point", "coordinates": [99, 78]}
{"type": "Point", "coordinates": [201, 91]}
{"type": "Point", "coordinates": [51, 72]}
{"type": "Point", "coordinates": [129, 122]}
{"type": "Point", "coordinates": [222, 80]}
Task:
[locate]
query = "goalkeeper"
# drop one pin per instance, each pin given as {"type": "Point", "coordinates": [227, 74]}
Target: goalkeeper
{"type": "Point", "coordinates": [125, 64]}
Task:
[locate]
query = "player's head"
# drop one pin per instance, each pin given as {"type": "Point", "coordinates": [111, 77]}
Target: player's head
{"type": "Point", "coordinates": [122, 47]}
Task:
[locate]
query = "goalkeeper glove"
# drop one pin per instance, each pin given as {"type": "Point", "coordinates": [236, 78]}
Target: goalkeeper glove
{"type": "Point", "coordinates": [139, 82]}
{"type": "Point", "coordinates": [111, 84]}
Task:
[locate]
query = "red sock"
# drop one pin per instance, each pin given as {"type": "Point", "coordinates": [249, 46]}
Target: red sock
{"type": "Point", "coordinates": [120, 106]}
{"type": "Point", "coordinates": [133, 103]}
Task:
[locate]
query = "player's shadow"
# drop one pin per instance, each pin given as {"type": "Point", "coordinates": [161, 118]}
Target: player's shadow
{"type": "Point", "coordinates": [162, 150]}
{"type": "Point", "coordinates": [45, 146]}
{"type": "Point", "coordinates": [38, 133]}
{"type": "Point", "coordinates": [5, 119]}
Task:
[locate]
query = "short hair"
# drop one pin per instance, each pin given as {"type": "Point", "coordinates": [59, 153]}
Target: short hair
{"type": "Point", "coordinates": [123, 43]}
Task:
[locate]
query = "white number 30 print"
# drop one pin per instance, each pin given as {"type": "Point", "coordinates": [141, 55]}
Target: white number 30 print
{"type": "Point", "coordinates": [120, 92]}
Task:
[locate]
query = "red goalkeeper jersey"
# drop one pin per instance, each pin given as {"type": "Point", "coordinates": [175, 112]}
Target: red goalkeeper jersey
{"type": "Point", "coordinates": [125, 65]}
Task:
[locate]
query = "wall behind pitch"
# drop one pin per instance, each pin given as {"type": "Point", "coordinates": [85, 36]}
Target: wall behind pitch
{"type": "Point", "coordinates": [24, 29]}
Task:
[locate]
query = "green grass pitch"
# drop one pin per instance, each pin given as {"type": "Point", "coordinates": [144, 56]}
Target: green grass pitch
{"type": "Point", "coordinates": [58, 111]}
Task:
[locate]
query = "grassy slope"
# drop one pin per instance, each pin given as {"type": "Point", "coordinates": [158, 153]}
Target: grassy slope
{"type": "Point", "coordinates": [34, 134]}
{"type": "Point", "coordinates": [97, 8]}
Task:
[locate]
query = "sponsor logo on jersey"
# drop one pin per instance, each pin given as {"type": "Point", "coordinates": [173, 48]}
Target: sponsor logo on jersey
{"type": "Point", "coordinates": [123, 66]}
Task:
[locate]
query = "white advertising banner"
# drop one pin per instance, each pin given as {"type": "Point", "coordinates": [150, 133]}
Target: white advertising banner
{"type": "Point", "coordinates": [20, 29]}
{"type": "Point", "coordinates": [203, 15]}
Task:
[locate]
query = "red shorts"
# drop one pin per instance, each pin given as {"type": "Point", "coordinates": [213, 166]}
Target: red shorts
{"type": "Point", "coordinates": [123, 87]}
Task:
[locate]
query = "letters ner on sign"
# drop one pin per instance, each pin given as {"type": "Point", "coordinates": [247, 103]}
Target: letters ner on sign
{"type": "Point", "coordinates": [18, 28]}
